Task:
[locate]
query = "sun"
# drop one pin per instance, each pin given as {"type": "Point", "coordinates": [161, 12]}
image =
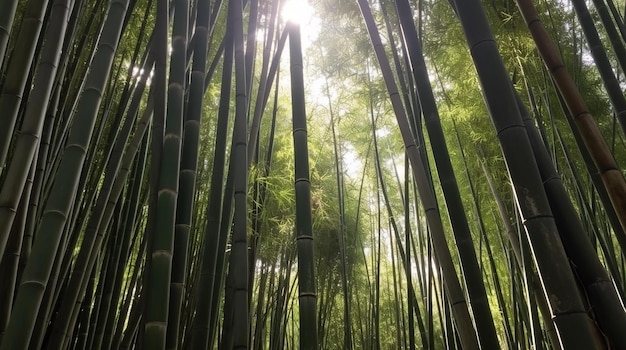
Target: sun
{"type": "Point", "coordinates": [297, 11]}
{"type": "Point", "coordinates": [300, 12]}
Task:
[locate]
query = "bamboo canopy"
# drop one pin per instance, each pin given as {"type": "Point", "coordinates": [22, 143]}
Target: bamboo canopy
{"type": "Point", "coordinates": [293, 174]}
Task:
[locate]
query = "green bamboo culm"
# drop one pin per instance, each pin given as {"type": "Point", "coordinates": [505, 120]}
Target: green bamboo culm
{"type": "Point", "coordinates": [37, 271]}
{"type": "Point", "coordinates": [17, 68]}
{"type": "Point", "coordinates": [158, 88]}
{"type": "Point", "coordinates": [304, 227]}
{"type": "Point", "coordinates": [209, 278]}
{"type": "Point", "coordinates": [27, 143]}
{"type": "Point", "coordinates": [159, 275]}
{"type": "Point", "coordinates": [7, 17]}
{"type": "Point", "coordinates": [236, 315]}
{"type": "Point", "coordinates": [188, 170]}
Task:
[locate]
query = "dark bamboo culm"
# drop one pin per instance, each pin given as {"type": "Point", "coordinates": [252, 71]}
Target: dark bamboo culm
{"type": "Point", "coordinates": [569, 315]}
{"type": "Point", "coordinates": [460, 227]}
{"type": "Point", "coordinates": [611, 175]}
{"type": "Point", "coordinates": [304, 234]}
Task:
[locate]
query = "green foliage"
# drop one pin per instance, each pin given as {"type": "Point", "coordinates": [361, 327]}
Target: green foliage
{"type": "Point", "coordinates": [352, 229]}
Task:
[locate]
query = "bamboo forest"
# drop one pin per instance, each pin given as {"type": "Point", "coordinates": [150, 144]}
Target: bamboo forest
{"type": "Point", "coordinates": [312, 174]}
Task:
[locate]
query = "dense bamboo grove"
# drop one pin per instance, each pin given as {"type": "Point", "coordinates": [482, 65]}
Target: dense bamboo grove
{"type": "Point", "coordinates": [368, 174]}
